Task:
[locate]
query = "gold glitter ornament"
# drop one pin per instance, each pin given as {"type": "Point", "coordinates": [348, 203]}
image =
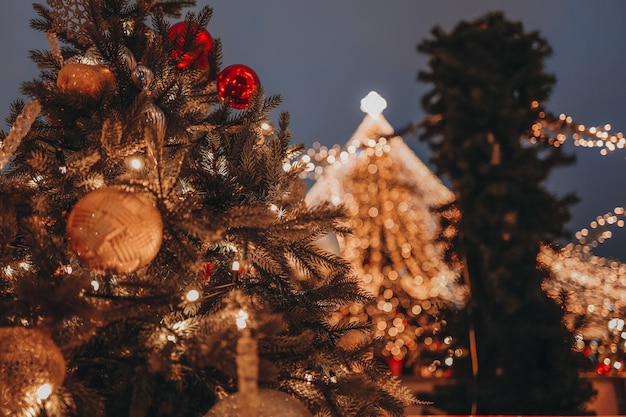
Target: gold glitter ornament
{"type": "Point", "coordinates": [32, 367]}
{"type": "Point", "coordinates": [111, 229]}
{"type": "Point", "coordinates": [85, 79]}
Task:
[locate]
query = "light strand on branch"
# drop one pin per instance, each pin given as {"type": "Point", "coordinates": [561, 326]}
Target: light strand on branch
{"type": "Point", "coordinates": [556, 129]}
{"type": "Point", "coordinates": [18, 131]}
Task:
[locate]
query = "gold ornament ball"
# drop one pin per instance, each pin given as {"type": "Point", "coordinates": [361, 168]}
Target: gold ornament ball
{"type": "Point", "coordinates": [272, 403]}
{"type": "Point", "coordinates": [85, 79]}
{"type": "Point", "coordinates": [111, 229]}
{"type": "Point", "coordinates": [29, 359]}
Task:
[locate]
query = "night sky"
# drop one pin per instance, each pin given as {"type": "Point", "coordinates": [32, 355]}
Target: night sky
{"type": "Point", "coordinates": [323, 56]}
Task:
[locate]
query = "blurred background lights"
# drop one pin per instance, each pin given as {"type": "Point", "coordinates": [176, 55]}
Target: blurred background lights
{"type": "Point", "coordinates": [241, 318]}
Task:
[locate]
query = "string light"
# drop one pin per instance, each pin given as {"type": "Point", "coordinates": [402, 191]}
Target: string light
{"type": "Point", "coordinates": [44, 391]}
{"type": "Point", "coordinates": [136, 163]}
{"type": "Point", "coordinates": [193, 295]}
{"type": "Point", "coordinates": [241, 319]}
{"type": "Point", "coordinates": [555, 130]}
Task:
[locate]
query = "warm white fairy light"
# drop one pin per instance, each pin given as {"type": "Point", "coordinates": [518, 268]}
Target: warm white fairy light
{"type": "Point", "coordinates": [192, 295]}
{"type": "Point", "coordinates": [136, 163]}
{"type": "Point", "coordinates": [95, 285]}
{"type": "Point", "coordinates": [555, 131]}
{"type": "Point", "coordinates": [241, 319]}
{"type": "Point", "coordinates": [44, 391]}
{"type": "Point", "coordinates": [266, 127]}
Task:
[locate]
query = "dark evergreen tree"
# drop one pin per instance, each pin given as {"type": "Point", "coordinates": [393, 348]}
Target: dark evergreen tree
{"type": "Point", "coordinates": [488, 88]}
{"type": "Point", "coordinates": [150, 236]}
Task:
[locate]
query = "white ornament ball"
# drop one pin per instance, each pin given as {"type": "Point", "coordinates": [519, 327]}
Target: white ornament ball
{"type": "Point", "coordinates": [111, 229]}
{"type": "Point", "coordinates": [272, 403]}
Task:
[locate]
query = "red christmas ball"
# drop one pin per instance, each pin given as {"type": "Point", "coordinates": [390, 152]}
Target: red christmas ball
{"type": "Point", "coordinates": [236, 84]}
{"type": "Point", "coordinates": [196, 53]}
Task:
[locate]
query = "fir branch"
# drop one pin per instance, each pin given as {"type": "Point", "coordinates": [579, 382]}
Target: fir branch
{"type": "Point", "coordinates": [172, 8]}
{"type": "Point", "coordinates": [44, 59]}
{"type": "Point", "coordinates": [204, 16]}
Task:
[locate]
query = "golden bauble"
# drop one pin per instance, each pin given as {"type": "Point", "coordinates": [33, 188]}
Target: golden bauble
{"type": "Point", "coordinates": [85, 79]}
{"type": "Point", "coordinates": [111, 229]}
{"type": "Point", "coordinates": [29, 359]}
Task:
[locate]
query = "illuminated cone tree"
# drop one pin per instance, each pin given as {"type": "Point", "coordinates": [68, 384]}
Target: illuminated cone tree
{"type": "Point", "coordinates": [390, 196]}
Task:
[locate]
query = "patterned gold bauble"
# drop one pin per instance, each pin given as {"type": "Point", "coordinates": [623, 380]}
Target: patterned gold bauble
{"type": "Point", "coordinates": [272, 403]}
{"type": "Point", "coordinates": [111, 229]}
{"type": "Point", "coordinates": [31, 367]}
{"type": "Point", "coordinates": [85, 79]}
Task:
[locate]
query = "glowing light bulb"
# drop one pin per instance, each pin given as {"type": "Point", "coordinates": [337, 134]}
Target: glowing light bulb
{"type": "Point", "coordinates": [267, 127]}
{"type": "Point", "coordinates": [44, 391]}
{"type": "Point", "coordinates": [95, 285]}
{"type": "Point", "coordinates": [236, 266]}
{"type": "Point", "coordinates": [241, 318]}
{"type": "Point", "coordinates": [193, 295]}
{"type": "Point", "coordinates": [373, 104]}
{"type": "Point", "coordinates": [136, 163]}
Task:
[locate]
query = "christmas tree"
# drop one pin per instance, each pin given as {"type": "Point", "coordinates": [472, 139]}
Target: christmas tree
{"type": "Point", "coordinates": [390, 195]}
{"type": "Point", "coordinates": [157, 255]}
{"type": "Point", "coordinates": [488, 85]}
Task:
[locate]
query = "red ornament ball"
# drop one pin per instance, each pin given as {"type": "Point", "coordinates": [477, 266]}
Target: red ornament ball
{"type": "Point", "coordinates": [196, 53]}
{"type": "Point", "coordinates": [236, 84]}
